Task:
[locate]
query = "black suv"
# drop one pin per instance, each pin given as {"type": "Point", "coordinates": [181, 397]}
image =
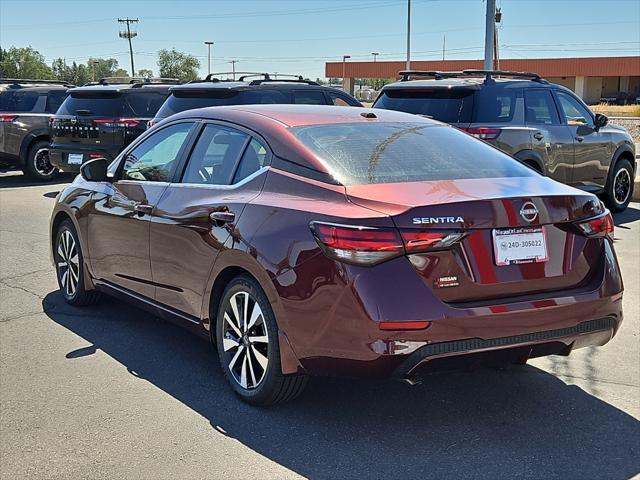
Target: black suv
{"type": "Point", "coordinates": [545, 126]}
{"type": "Point", "coordinates": [213, 92]}
{"type": "Point", "coordinates": [25, 108]}
{"type": "Point", "coordinates": [100, 119]}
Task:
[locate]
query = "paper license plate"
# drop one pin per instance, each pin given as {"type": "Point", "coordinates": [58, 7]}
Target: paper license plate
{"type": "Point", "coordinates": [520, 245]}
{"type": "Point", "coordinates": [75, 158]}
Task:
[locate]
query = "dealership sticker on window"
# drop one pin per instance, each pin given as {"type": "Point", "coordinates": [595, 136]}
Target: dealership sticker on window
{"type": "Point", "coordinates": [520, 245]}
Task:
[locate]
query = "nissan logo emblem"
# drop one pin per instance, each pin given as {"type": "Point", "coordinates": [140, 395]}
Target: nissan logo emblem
{"type": "Point", "coordinates": [529, 212]}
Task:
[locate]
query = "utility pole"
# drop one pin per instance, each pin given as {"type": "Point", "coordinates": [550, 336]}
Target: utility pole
{"type": "Point", "coordinates": [496, 48]}
{"type": "Point", "coordinates": [408, 65]}
{"type": "Point", "coordinates": [375, 55]}
{"type": "Point", "coordinates": [93, 68]}
{"type": "Point", "coordinates": [233, 67]}
{"type": "Point", "coordinates": [128, 34]}
{"type": "Point", "coordinates": [208, 44]}
{"type": "Point", "coordinates": [489, 34]}
{"type": "Point", "coordinates": [444, 46]}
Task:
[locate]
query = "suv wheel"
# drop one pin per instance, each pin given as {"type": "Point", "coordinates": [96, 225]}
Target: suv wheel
{"type": "Point", "coordinates": [248, 348]}
{"type": "Point", "coordinates": [38, 167]}
{"type": "Point", "coordinates": [619, 189]}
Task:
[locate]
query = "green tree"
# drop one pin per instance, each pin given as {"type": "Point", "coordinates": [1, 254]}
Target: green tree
{"type": "Point", "coordinates": [23, 63]}
{"type": "Point", "coordinates": [121, 73]}
{"type": "Point", "coordinates": [145, 73]}
{"type": "Point", "coordinates": [103, 67]}
{"type": "Point", "coordinates": [175, 64]}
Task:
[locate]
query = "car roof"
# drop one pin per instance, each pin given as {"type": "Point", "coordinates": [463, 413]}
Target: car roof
{"type": "Point", "coordinates": [471, 83]}
{"type": "Point", "coordinates": [292, 115]}
{"type": "Point", "coordinates": [137, 87]}
{"type": "Point", "coordinates": [231, 85]}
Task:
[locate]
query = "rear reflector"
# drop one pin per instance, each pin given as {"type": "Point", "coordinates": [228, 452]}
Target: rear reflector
{"type": "Point", "coordinates": [600, 226]}
{"type": "Point", "coordinates": [484, 133]}
{"type": "Point", "coordinates": [7, 117]}
{"type": "Point", "coordinates": [369, 245]}
{"type": "Point", "coordinates": [419, 325]}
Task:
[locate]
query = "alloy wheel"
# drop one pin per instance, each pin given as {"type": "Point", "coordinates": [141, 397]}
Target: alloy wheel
{"type": "Point", "coordinates": [68, 263]}
{"type": "Point", "coordinates": [621, 185]}
{"type": "Point", "coordinates": [42, 164]}
{"type": "Point", "coordinates": [245, 340]}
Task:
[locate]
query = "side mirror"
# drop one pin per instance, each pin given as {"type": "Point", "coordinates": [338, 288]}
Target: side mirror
{"type": "Point", "coordinates": [95, 170]}
{"type": "Point", "coordinates": [601, 120]}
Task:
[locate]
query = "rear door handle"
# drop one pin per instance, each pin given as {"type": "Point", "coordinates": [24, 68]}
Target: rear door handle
{"type": "Point", "coordinates": [538, 136]}
{"type": "Point", "coordinates": [222, 217]}
{"type": "Point", "coordinates": [579, 138]}
{"type": "Point", "coordinates": [143, 209]}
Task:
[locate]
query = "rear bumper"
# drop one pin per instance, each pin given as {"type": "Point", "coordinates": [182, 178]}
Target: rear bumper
{"type": "Point", "coordinates": [59, 155]}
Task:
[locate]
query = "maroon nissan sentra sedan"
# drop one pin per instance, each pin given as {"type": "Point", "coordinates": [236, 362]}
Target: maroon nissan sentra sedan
{"type": "Point", "coordinates": [306, 240]}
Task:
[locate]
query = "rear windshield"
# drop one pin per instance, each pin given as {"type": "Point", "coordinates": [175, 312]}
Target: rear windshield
{"type": "Point", "coordinates": [18, 101]}
{"type": "Point", "coordinates": [366, 153]}
{"type": "Point", "coordinates": [113, 104]}
{"type": "Point", "coordinates": [181, 100]}
{"type": "Point", "coordinates": [450, 106]}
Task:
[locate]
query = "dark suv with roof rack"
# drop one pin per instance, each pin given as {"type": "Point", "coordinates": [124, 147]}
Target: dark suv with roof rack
{"type": "Point", "coordinates": [25, 108]}
{"type": "Point", "coordinates": [102, 118]}
{"type": "Point", "coordinates": [250, 88]}
{"type": "Point", "coordinates": [545, 126]}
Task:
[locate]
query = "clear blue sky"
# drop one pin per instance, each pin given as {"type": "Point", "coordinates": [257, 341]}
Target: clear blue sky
{"type": "Point", "coordinates": [298, 36]}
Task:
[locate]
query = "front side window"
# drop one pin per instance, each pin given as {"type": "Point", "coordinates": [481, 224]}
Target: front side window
{"type": "Point", "coordinates": [340, 100]}
{"type": "Point", "coordinates": [574, 112]}
{"type": "Point", "coordinates": [309, 97]}
{"type": "Point", "coordinates": [156, 158]}
{"type": "Point", "coordinates": [540, 108]}
{"type": "Point", "coordinates": [215, 156]}
{"type": "Point", "coordinates": [386, 152]}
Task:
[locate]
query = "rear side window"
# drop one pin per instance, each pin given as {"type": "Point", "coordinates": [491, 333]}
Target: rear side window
{"type": "Point", "coordinates": [54, 100]}
{"type": "Point", "coordinates": [252, 160]}
{"type": "Point", "coordinates": [494, 106]}
{"type": "Point", "coordinates": [540, 108]}
{"type": "Point", "coordinates": [309, 97]}
{"type": "Point", "coordinates": [340, 100]}
{"type": "Point", "coordinates": [18, 101]}
{"type": "Point", "coordinates": [181, 100]}
{"type": "Point", "coordinates": [99, 104]}
{"type": "Point", "coordinates": [252, 97]}
{"type": "Point", "coordinates": [142, 104]}
{"type": "Point", "coordinates": [368, 153]}
{"type": "Point", "coordinates": [445, 105]}
{"type": "Point", "coordinates": [215, 156]}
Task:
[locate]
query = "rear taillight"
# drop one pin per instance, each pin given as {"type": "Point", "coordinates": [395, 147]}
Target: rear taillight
{"type": "Point", "coordinates": [7, 117]}
{"type": "Point", "coordinates": [371, 245]}
{"type": "Point", "coordinates": [358, 245]}
{"type": "Point", "coordinates": [151, 123]}
{"type": "Point", "coordinates": [600, 226]}
{"type": "Point", "coordinates": [411, 325]}
{"type": "Point", "coordinates": [119, 122]}
{"type": "Point", "coordinates": [484, 133]}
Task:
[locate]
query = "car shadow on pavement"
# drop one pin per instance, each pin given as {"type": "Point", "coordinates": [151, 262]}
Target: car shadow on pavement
{"type": "Point", "coordinates": [17, 179]}
{"type": "Point", "coordinates": [631, 214]}
{"type": "Point", "coordinates": [517, 422]}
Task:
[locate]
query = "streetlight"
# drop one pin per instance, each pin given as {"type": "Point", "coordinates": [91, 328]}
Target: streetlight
{"type": "Point", "coordinates": [208, 44]}
{"type": "Point", "coordinates": [375, 54]}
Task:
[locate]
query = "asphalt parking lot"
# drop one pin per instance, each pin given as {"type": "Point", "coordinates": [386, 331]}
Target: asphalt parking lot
{"type": "Point", "coordinates": [112, 392]}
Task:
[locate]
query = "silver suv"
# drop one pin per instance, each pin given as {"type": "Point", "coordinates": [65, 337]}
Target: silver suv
{"type": "Point", "coordinates": [543, 125]}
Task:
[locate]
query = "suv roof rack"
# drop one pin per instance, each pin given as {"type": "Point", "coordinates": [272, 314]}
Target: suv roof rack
{"type": "Point", "coordinates": [438, 75]}
{"type": "Point", "coordinates": [295, 79]}
{"type": "Point", "coordinates": [135, 81]}
{"type": "Point", "coordinates": [211, 78]}
{"type": "Point", "coordinates": [16, 81]}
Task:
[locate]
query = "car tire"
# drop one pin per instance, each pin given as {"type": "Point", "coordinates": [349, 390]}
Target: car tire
{"type": "Point", "coordinates": [248, 346]}
{"type": "Point", "coordinates": [37, 165]}
{"type": "Point", "coordinates": [69, 263]}
{"type": "Point", "coordinates": [619, 188]}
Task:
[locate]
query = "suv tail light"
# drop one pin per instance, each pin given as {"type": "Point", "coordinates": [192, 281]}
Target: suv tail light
{"type": "Point", "coordinates": [151, 123]}
{"type": "Point", "coordinates": [600, 226]}
{"type": "Point", "coordinates": [484, 133]}
{"type": "Point", "coordinates": [119, 122]}
{"type": "Point", "coordinates": [368, 246]}
{"type": "Point", "coordinates": [7, 117]}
